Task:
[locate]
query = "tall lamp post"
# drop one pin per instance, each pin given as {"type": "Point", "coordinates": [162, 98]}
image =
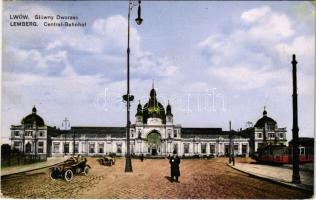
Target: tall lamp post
{"type": "Point", "coordinates": [295, 160]}
{"type": "Point", "coordinates": [128, 97]}
{"type": "Point", "coordinates": [233, 145]}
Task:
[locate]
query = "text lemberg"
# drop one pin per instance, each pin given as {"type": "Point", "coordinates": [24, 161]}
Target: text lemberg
{"type": "Point", "coordinates": [23, 24]}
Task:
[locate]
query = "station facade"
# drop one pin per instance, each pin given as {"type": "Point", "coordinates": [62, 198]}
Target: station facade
{"type": "Point", "coordinates": [152, 134]}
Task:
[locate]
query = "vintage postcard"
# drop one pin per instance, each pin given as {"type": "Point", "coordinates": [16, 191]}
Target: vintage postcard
{"type": "Point", "coordinates": [158, 99]}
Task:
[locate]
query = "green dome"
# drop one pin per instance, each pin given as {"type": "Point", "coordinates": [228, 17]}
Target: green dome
{"type": "Point", "coordinates": [31, 118]}
{"type": "Point", "coordinates": [153, 108]}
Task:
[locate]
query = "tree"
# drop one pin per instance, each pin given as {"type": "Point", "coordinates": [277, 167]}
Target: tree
{"type": "Point", "coordinates": [6, 152]}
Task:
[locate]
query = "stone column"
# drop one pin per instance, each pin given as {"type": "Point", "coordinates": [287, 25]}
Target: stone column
{"type": "Point", "coordinates": [61, 147]}
{"type": "Point", "coordinates": [208, 148]}
{"type": "Point", "coordinates": [71, 144]}
{"type": "Point", "coordinates": [240, 148]}
{"type": "Point", "coordinates": [45, 147]}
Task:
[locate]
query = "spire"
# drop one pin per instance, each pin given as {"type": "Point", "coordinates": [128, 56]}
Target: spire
{"type": "Point", "coordinates": [139, 109]}
{"type": "Point", "coordinates": [34, 109]}
{"type": "Point", "coordinates": [264, 111]}
{"type": "Point", "coordinates": [153, 91]}
{"type": "Point", "coordinates": [169, 109]}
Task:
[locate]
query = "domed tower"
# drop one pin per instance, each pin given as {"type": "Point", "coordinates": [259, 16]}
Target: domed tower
{"type": "Point", "coordinates": [266, 124]}
{"type": "Point", "coordinates": [153, 109]}
{"type": "Point", "coordinates": [139, 114]}
{"type": "Point", "coordinates": [169, 115]}
{"type": "Point", "coordinates": [33, 119]}
{"type": "Point", "coordinates": [266, 121]}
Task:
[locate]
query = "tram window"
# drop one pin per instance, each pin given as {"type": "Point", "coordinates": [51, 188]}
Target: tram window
{"type": "Point", "coordinates": [302, 151]}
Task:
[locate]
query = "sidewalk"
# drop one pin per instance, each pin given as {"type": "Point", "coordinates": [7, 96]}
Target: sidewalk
{"type": "Point", "coordinates": [23, 168]}
{"type": "Point", "coordinates": [277, 174]}
{"type": "Point", "coordinates": [303, 167]}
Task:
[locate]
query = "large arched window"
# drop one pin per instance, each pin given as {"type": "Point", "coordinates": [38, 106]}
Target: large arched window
{"type": "Point", "coordinates": [153, 139]}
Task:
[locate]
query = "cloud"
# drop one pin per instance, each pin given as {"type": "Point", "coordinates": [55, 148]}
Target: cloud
{"type": "Point", "coordinates": [266, 24]}
{"type": "Point", "coordinates": [102, 49]}
{"type": "Point", "coordinates": [255, 60]}
{"type": "Point", "coordinates": [246, 78]}
{"type": "Point", "coordinates": [255, 14]}
{"type": "Point", "coordinates": [34, 61]}
{"type": "Point", "coordinates": [257, 54]}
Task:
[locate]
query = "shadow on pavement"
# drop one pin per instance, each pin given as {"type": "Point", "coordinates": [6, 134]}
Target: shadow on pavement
{"type": "Point", "coordinates": [169, 178]}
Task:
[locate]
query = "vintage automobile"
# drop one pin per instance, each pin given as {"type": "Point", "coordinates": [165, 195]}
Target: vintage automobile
{"type": "Point", "coordinates": [67, 169]}
{"type": "Point", "coordinates": [107, 160]}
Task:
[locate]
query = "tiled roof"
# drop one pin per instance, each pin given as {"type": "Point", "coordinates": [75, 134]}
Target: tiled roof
{"type": "Point", "coordinates": [118, 132]}
{"type": "Point", "coordinates": [202, 133]}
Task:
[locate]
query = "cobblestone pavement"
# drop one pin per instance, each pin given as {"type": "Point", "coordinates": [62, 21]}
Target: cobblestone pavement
{"type": "Point", "coordinates": [150, 179]}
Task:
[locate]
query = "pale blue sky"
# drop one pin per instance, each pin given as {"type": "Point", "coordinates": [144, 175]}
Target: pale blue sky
{"type": "Point", "coordinates": [237, 52]}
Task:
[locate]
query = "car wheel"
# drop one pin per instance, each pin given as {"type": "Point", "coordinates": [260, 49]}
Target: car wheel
{"type": "Point", "coordinates": [52, 174]}
{"type": "Point", "coordinates": [68, 175]}
{"type": "Point", "coordinates": [86, 170]}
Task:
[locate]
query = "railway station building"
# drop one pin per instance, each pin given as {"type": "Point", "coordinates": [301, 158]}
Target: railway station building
{"type": "Point", "coordinates": [152, 134]}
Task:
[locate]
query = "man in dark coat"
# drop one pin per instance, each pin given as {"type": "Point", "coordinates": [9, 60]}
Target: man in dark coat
{"type": "Point", "coordinates": [174, 167]}
{"type": "Point", "coordinates": [142, 157]}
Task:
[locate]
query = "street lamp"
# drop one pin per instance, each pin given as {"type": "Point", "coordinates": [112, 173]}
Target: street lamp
{"type": "Point", "coordinates": [233, 142]}
{"type": "Point", "coordinates": [127, 97]}
{"type": "Point", "coordinates": [296, 169]}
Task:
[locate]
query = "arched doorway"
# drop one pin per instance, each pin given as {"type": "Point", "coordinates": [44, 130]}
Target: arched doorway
{"type": "Point", "coordinates": [154, 142]}
{"type": "Point", "coordinates": [28, 148]}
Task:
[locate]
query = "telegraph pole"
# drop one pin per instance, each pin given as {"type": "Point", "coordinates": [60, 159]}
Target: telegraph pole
{"type": "Point", "coordinates": [295, 129]}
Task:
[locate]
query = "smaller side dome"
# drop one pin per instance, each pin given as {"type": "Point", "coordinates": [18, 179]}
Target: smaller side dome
{"type": "Point", "coordinates": [139, 110]}
{"type": "Point", "coordinates": [33, 118]}
{"type": "Point", "coordinates": [265, 120]}
{"type": "Point", "coordinates": [168, 109]}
